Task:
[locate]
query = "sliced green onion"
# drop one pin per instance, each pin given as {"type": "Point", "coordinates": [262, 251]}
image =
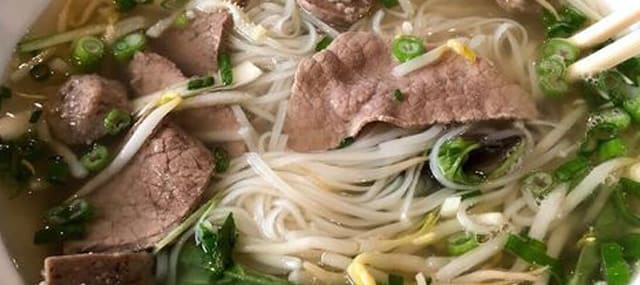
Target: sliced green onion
{"type": "Point", "coordinates": [52, 234]}
{"type": "Point", "coordinates": [200, 82]}
{"type": "Point", "coordinates": [560, 47]}
{"type": "Point", "coordinates": [345, 142]}
{"type": "Point", "coordinates": [587, 264]}
{"type": "Point", "coordinates": [615, 117]}
{"type": "Point", "coordinates": [539, 184]}
{"type": "Point", "coordinates": [552, 79]}
{"type": "Point", "coordinates": [35, 115]}
{"type": "Point", "coordinates": [389, 3]}
{"type": "Point", "coordinates": [572, 169]}
{"type": "Point", "coordinates": [87, 53]}
{"type": "Point", "coordinates": [96, 159]}
{"type": "Point", "coordinates": [632, 106]}
{"type": "Point", "coordinates": [58, 170]}
{"type": "Point", "coordinates": [631, 245]}
{"type": "Point", "coordinates": [395, 280]}
{"type": "Point", "coordinates": [559, 30]}
{"type": "Point", "coordinates": [533, 252]}
{"type": "Point", "coordinates": [75, 211]}
{"type": "Point", "coordinates": [631, 69]}
{"type": "Point", "coordinates": [612, 85]}
{"type": "Point", "coordinates": [222, 159]}
{"type": "Point", "coordinates": [460, 243]}
{"type": "Point", "coordinates": [452, 157]}
{"type": "Point", "coordinates": [225, 69]}
{"type": "Point", "coordinates": [181, 21]}
{"type": "Point", "coordinates": [40, 72]}
{"type": "Point", "coordinates": [126, 47]}
{"type": "Point", "coordinates": [324, 43]}
{"type": "Point", "coordinates": [621, 196]}
{"type": "Point", "coordinates": [116, 121]}
{"type": "Point", "coordinates": [398, 96]}
{"type": "Point", "coordinates": [573, 16]}
{"type": "Point", "coordinates": [611, 149]}
{"type": "Point", "coordinates": [630, 186]}
{"type": "Point", "coordinates": [125, 5]}
{"type": "Point", "coordinates": [616, 270]}
{"type": "Point", "coordinates": [407, 47]}
{"type": "Point", "coordinates": [471, 194]}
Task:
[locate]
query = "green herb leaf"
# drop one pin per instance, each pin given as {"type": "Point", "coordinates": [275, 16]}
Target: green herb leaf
{"type": "Point", "coordinates": [222, 159]}
{"type": "Point", "coordinates": [453, 155]}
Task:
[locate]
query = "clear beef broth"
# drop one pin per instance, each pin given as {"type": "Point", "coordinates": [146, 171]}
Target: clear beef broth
{"type": "Point", "coordinates": [25, 212]}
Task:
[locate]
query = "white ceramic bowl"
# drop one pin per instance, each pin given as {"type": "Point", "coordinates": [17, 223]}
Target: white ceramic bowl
{"type": "Point", "coordinates": [15, 18]}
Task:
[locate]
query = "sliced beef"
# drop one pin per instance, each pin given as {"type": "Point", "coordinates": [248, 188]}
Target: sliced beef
{"type": "Point", "coordinates": [151, 72]}
{"type": "Point", "coordinates": [76, 113]}
{"type": "Point", "coordinates": [99, 269]}
{"type": "Point", "coordinates": [341, 13]}
{"type": "Point", "coordinates": [194, 48]}
{"type": "Point", "coordinates": [154, 193]}
{"type": "Point", "coordinates": [348, 85]}
{"type": "Point", "coordinates": [520, 6]}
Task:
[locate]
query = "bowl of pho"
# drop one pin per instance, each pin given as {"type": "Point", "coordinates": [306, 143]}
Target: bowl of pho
{"type": "Point", "coordinates": [363, 142]}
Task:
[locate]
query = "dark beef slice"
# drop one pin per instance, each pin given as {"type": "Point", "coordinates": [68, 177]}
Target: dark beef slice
{"type": "Point", "coordinates": [76, 113]}
{"type": "Point", "coordinates": [338, 12]}
{"type": "Point", "coordinates": [194, 48]}
{"type": "Point", "coordinates": [99, 269]}
{"type": "Point", "coordinates": [340, 90]}
{"type": "Point", "coordinates": [150, 72]}
{"type": "Point", "coordinates": [521, 6]}
{"type": "Point", "coordinates": [159, 187]}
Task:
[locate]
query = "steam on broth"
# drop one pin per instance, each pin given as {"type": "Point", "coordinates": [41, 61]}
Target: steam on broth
{"type": "Point", "coordinates": [320, 142]}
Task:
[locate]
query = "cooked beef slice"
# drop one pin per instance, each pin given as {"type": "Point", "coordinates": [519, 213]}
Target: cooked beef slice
{"type": "Point", "coordinates": [76, 113]}
{"type": "Point", "coordinates": [150, 72]}
{"type": "Point", "coordinates": [341, 13]}
{"type": "Point", "coordinates": [341, 89]}
{"type": "Point", "coordinates": [520, 6]}
{"type": "Point", "coordinates": [159, 187]}
{"type": "Point", "coordinates": [99, 269]}
{"type": "Point", "coordinates": [194, 48]}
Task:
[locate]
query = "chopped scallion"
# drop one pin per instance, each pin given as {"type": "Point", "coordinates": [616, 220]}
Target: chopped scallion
{"type": "Point", "coordinates": [126, 47]}
{"type": "Point", "coordinates": [572, 169]}
{"type": "Point", "coordinates": [87, 53]}
{"type": "Point", "coordinates": [533, 252]}
{"type": "Point", "coordinates": [560, 47]}
{"type": "Point", "coordinates": [407, 47]}
{"type": "Point", "coordinates": [96, 159]}
{"type": "Point", "coordinates": [225, 68]}
{"type": "Point", "coordinates": [345, 142]}
{"type": "Point", "coordinates": [616, 270]}
{"type": "Point", "coordinates": [324, 43]}
{"type": "Point", "coordinates": [587, 264]}
{"type": "Point", "coordinates": [116, 121]}
{"type": "Point", "coordinates": [125, 5]}
{"type": "Point", "coordinates": [222, 159]}
{"type": "Point", "coordinates": [460, 243]}
{"type": "Point", "coordinates": [200, 82]}
{"type": "Point", "coordinates": [552, 79]}
{"type": "Point", "coordinates": [611, 149]}
{"type": "Point", "coordinates": [398, 96]}
{"type": "Point", "coordinates": [539, 184]}
{"type": "Point", "coordinates": [52, 234]}
{"type": "Point", "coordinates": [74, 211]}
{"type": "Point", "coordinates": [631, 245]}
